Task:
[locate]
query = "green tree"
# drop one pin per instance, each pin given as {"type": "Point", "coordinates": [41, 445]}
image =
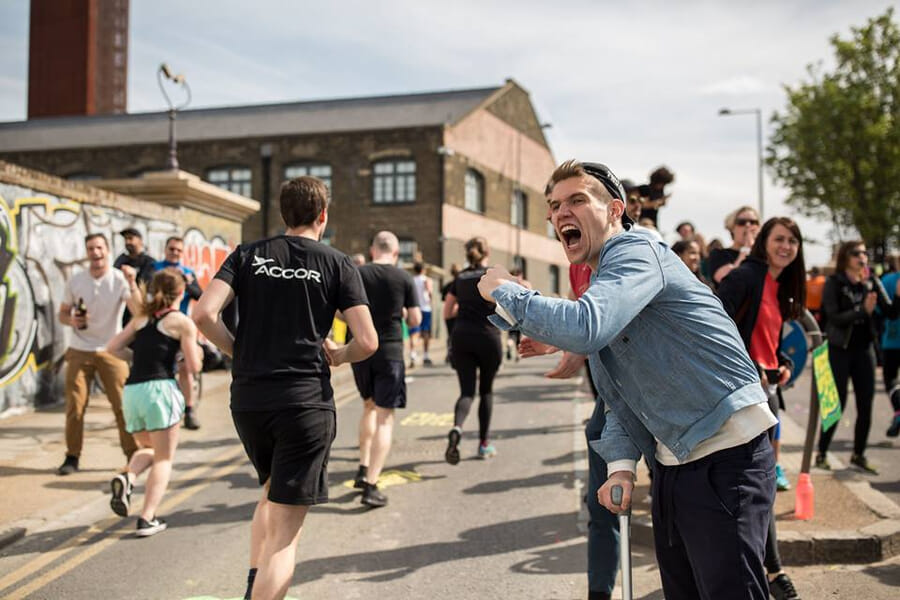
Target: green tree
{"type": "Point", "coordinates": [836, 146]}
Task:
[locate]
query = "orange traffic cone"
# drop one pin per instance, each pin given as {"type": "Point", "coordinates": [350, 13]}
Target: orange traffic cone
{"type": "Point", "coordinates": [804, 500]}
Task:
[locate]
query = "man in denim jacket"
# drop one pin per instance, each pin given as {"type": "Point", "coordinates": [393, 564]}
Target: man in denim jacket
{"type": "Point", "coordinates": [678, 384]}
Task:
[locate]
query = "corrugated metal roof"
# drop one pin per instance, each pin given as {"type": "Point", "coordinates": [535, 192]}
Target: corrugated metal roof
{"type": "Point", "coordinates": [318, 116]}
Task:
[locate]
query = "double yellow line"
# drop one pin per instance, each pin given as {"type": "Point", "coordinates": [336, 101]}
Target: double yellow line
{"type": "Point", "coordinates": [110, 530]}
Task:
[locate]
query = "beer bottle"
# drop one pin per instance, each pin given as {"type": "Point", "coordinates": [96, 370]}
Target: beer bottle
{"type": "Point", "coordinates": [81, 311]}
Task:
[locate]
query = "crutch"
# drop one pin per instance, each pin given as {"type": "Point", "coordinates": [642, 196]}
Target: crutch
{"type": "Point", "coordinates": [624, 542]}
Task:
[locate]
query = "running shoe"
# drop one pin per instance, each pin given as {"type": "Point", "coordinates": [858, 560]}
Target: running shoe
{"type": "Point", "coordinates": [121, 494]}
{"type": "Point", "coordinates": [359, 482]}
{"type": "Point", "coordinates": [427, 362]}
{"type": "Point", "coordinates": [486, 451]}
{"type": "Point", "coordinates": [861, 462]}
{"type": "Point", "coordinates": [147, 528]}
{"type": "Point", "coordinates": [894, 429]}
{"type": "Point", "coordinates": [452, 453]}
{"type": "Point", "coordinates": [69, 466]}
{"type": "Point", "coordinates": [822, 462]}
{"type": "Point", "coordinates": [782, 588]}
{"type": "Point", "coordinates": [373, 497]}
{"type": "Point", "coordinates": [781, 481]}
{"type": "Point", "coordinates": [190, 418]}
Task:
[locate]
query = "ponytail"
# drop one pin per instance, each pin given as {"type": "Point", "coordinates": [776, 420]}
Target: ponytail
{"type": "Point", "coordinates": [476, 250]}
{"type": "Point", "coordinates": [166, 286]}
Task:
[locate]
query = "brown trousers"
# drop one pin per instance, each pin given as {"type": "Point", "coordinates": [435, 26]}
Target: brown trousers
{"type": "Point", "coordinates": [80, 370]}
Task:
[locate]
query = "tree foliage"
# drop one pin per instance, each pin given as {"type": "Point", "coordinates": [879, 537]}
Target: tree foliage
{"type": "Point", "coordinates": [837, 144]}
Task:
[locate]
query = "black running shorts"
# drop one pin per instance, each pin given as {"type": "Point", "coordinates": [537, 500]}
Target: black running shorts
{"type": "Point", "coordinates": [290, 447]}
{"type": "Point", "coordinates": [381, 379]}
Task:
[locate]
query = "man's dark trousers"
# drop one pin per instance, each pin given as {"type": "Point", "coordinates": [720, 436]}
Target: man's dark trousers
{"type": "Point", "coordinates": [603, 528]}
{"type": "Point", "coordinates": [710, 523]}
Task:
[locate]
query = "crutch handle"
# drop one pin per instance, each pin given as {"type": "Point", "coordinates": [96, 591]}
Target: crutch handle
{"type": "Point", "coordinates": [616, 495]}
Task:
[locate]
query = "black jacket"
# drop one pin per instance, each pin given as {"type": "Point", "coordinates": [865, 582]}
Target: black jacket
{"type": "Point", "coordinates": [741, 294]}
{"type": "Point", "coordinates": [842, 307]}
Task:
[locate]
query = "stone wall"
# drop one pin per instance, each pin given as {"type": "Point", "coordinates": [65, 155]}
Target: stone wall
{"type": "Point", "coordinates": [43, 221]}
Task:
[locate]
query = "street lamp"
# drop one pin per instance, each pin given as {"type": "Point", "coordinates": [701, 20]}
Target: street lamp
{"type": "Point", "coordinates": [165, 72]}
{"type": "Point", "coordinates": [727, 112]}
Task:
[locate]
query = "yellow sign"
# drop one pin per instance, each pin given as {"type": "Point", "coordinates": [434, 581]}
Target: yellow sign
{"type": "Point", "coordinates": [829, 401]}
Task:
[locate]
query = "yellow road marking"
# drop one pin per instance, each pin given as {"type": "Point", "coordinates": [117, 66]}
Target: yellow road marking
{"type": "Point", "coordinates": [428, 419]}
{"type": "Point", "coordinates": [103, 526]}
{"type": "Point", "coordinates": [389, 478]}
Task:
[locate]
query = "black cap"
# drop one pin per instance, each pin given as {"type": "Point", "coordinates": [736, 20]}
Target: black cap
{"type": "Point", "coordinates": [609, 180]}
{"type": "Point", "coordinates": [130, 231]}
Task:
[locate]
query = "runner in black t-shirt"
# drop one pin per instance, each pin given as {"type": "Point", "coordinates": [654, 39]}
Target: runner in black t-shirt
{"type": "Point", "coordinates": [282, 404]}
{"type": "Point", "coordinates": [476, 346]}
{"type": "Point", "coordinates": [380, 379]}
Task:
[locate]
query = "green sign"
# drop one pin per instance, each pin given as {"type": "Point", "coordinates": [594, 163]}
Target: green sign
{"type": "Point", "coordinates": [829, 402]}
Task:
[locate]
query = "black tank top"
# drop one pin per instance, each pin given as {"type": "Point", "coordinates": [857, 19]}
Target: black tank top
{"type": "Point", "coordinates": [154, 353]}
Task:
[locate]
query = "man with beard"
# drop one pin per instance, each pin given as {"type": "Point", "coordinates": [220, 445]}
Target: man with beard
{"type": "Point", "coordinates": [135, 257]}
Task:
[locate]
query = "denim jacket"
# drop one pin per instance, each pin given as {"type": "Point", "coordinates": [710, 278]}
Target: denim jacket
{"type": "Point", "coordinates": [666, 358]}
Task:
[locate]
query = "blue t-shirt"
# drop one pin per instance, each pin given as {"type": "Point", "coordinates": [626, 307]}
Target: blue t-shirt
{"type": "Point", "coordinates": [891, 338]}
{"type": "Point", "coordinates": [162, 264]}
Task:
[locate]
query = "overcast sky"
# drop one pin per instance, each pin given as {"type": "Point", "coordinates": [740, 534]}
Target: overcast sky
{"type": "Point", "coordinates": [631, 84]}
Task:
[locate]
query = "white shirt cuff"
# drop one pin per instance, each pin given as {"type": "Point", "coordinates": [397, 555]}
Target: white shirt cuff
{"type": "Point", "coordinates": [622, 465]}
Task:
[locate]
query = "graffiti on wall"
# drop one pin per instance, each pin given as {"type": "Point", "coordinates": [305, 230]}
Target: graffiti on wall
{"type": "Point", "coordinates": [41, 247]}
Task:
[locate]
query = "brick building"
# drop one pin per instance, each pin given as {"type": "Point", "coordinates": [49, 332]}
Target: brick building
{"type": "Point", "coordinates": [436, 168]}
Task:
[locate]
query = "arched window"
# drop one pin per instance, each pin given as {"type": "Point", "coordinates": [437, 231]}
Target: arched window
{"type": "Point", "coordinates": [394, 181]}
{"type": "Point", "coordinates": [518, 211]}
{"type": "Point", "coordinates": [554, 279]}
{"type": "Point", "coordinates": [474, 191]}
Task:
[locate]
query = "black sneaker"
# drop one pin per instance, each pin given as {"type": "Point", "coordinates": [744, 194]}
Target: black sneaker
{"type": "Point", "coordinates": [861, 462]}
{"type": "Point", "coordinates": [894, 429]}
{"type": "Point", "coordinates": [121, 494]}
{"type": "Point", "coordinates": [69, 466]}
{"type": "Point", "coordinates": [190, 419]}
{"type": "Point", "coordinates": [427, 362]}
{"type": "Point", "coordinates": [359, 482]}
{"type": "Point", "coordinates": [782, 588]}
{"type": "Point", "coordinates": [147, 528]}
{"type": "Point", "coordinates": [452, 453]}
{"type": "Point", "coordinates": [822, 462]}
{"type": "Point", "coordinates": [373, 497]}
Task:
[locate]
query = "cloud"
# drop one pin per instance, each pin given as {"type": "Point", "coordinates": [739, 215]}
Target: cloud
{"type": "Point", "coordinates": [741, 85]}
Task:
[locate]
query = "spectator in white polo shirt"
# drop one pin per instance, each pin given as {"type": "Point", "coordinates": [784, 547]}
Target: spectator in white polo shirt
{"type": "Point", "coordinates": [94, 301]}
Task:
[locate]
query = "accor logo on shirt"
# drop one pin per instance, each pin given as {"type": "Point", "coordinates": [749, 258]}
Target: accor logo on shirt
{"type": "Point", "coordinates": [267, 267]}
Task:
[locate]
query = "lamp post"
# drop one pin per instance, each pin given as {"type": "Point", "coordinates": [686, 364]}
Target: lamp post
{"type": "Point", "coordinates": [165, 72]}
{"type": "Point", "coordinates": [727, 112]}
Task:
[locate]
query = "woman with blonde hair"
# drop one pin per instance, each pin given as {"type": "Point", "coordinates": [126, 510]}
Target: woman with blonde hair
{"type": "Point", "coordinates": [152, 403]}
{"type": "Point", "coordinates": [743, 225]}
{"type": "Point", "coordinates": [476, 349]}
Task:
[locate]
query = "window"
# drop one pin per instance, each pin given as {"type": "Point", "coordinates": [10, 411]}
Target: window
{"type": "Point", "coordinates": [551, 231]}
{"type": "Point", "coordinates": [394, 181]}
{"type": "Point", "coordinates": [408, 249]}
{"type": "Point", "coordinates": [554, 279]}
{"type": "Point", "coordinates": [321, 171]}
{"type": "Point", "coordinates": [474, 191]}
{"type": "Point", "coordinates": [520, 263]}
{"type": "Point", "coordinates": [518, 211]}
{"type": "Point", "coordinates": [233, 179]}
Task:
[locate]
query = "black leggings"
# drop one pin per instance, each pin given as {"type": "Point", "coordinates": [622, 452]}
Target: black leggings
{"type": "Point", "coordinates": [858, 366]}
{"type": "Point", "coordinates": [471, 353]}
{"type": "Point", "coordinates": [891, 366]}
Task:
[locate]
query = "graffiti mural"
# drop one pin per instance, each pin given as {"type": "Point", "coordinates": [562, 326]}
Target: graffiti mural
{"type": "Point", "coordinates": [203, 255]}
{"type": "Point", "coordinates": [41, 246]}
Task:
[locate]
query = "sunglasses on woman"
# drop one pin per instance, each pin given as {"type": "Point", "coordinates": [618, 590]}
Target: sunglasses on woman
{"type": "Point", "coordinates": [743, 222]}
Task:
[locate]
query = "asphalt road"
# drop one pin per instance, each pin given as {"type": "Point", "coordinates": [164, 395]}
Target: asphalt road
{"type": "Point", "coordinates": [499, 528]}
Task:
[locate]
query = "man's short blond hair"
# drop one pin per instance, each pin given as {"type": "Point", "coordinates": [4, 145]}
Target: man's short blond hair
{"type": "Point", "coordinates": [574, 168]}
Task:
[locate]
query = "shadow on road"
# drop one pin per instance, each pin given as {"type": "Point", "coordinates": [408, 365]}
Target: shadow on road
{"type": "Point", "coordinates": [387, 565]}
{"type": "Point", "coordinates": [564, 478]}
